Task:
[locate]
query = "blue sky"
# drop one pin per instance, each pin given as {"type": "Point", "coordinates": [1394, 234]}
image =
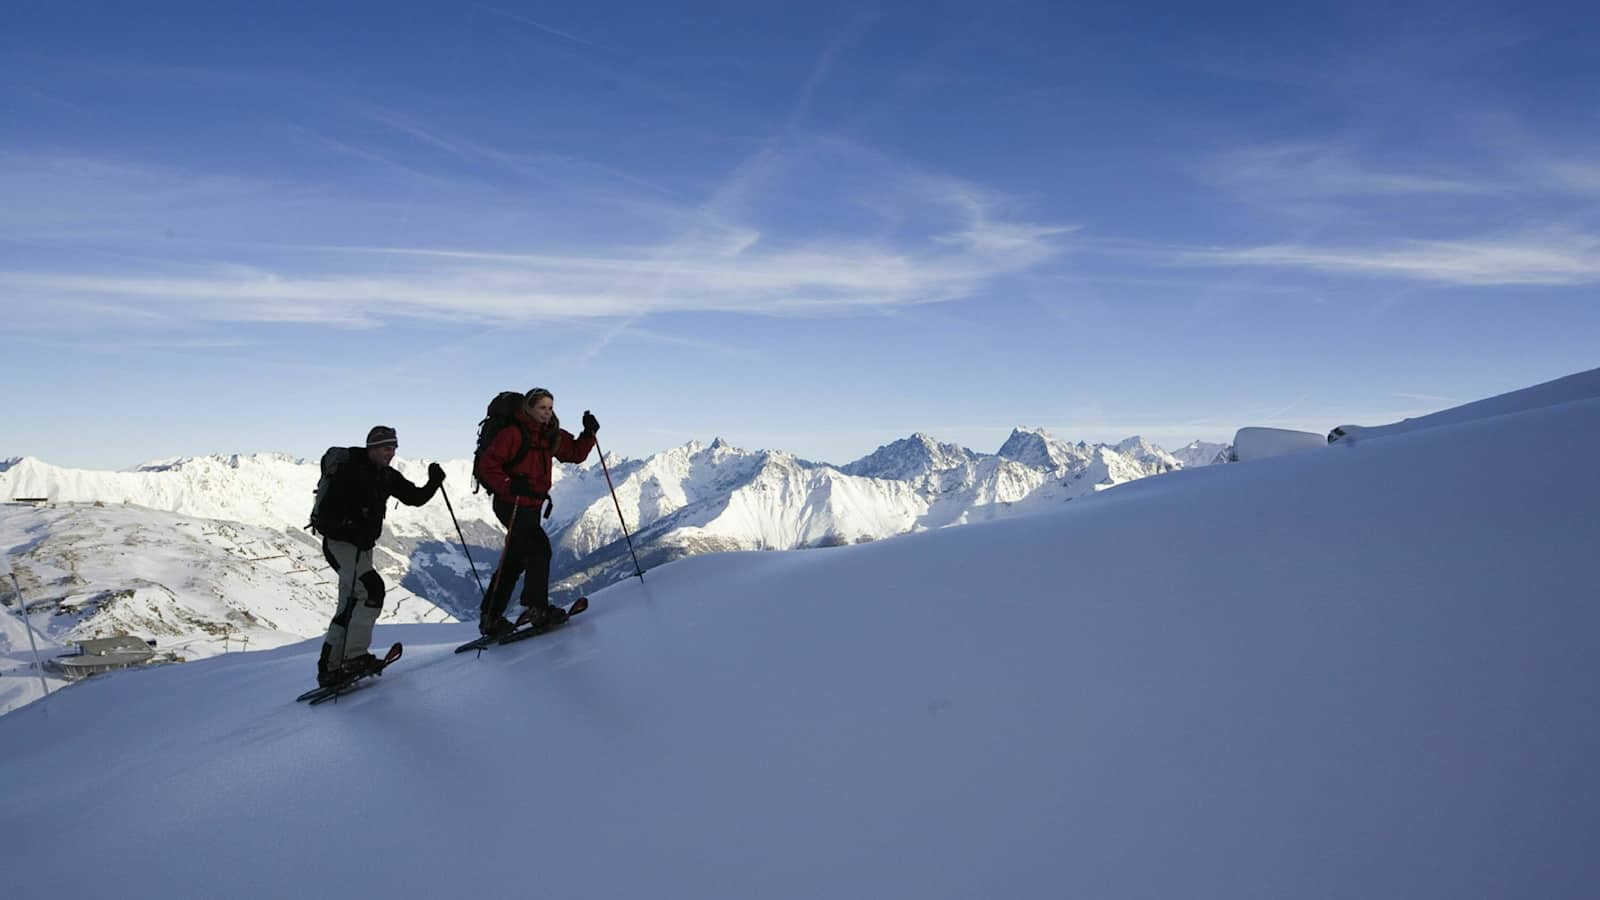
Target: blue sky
{"type": "Point", "coordinates": [812, 227]}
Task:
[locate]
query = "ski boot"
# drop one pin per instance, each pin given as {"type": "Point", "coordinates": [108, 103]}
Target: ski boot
{"type": "Point", "coordinates": [543, 616]}
{"type": "Point", "coordinates": [499, 626]}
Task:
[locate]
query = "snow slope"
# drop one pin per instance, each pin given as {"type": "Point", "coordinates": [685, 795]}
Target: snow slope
{"type": "Point", "coordinates": [1343, 674]}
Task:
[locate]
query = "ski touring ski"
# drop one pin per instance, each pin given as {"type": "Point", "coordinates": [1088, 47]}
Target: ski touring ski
{"type": "Point", "coordinates": [324, 694]}
{"type": "Point", "coordinates": [523, 630]}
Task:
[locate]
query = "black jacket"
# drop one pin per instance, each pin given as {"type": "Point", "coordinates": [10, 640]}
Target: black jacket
{"type": "Point", "coordinates": [359, 497]}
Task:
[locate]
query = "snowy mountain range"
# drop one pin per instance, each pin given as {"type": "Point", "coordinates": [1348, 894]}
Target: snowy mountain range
{"type": "Point", "coordinates": [83, 544]}
{"type": "Point", "coordinates": [1355, 670]}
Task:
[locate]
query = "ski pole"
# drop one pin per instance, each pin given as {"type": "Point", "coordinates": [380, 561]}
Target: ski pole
{"type": "Point", "coordinates": [501, 564]}
{"type": "Point", "coordinates": [22, 607]}
{"type": "Point", "coordinates": [607, 469]}
{"type": "Point", "coordinates": [463, 537]}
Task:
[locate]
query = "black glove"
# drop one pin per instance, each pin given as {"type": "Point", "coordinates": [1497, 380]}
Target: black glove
{"type": "Point", "coordinates": [520, 487]}
{"type": "Point", "coordinates": [591, 425]}
{"type": "Point", "coordinates": [435, 473]}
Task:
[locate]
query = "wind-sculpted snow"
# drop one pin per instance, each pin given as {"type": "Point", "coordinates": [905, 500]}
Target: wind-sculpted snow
{"type": "Point", "coordinates": [1362, 671]}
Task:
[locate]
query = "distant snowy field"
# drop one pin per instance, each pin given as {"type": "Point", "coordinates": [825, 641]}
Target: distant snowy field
{"type": "Point", "coordinates": [1360, 671]}
{"type": "Point", "coordinates": [198, 587]}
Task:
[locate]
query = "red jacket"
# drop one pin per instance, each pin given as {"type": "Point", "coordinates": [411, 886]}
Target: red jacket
{"type": "Point", "coordinates": [535, 464]}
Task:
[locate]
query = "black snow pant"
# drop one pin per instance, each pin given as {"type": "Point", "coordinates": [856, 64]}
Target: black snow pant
{"type": "Point", "coordinates": [360, 601]}
{"type": "Point", "coordinates": [527, 556]}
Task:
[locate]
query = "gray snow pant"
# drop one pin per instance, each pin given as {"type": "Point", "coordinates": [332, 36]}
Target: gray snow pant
{"type": "Point", "coordinates": [360, 601]}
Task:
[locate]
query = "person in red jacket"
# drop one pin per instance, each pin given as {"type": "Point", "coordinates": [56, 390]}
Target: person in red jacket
{"type": "Point", "coordinates": [515, 468]}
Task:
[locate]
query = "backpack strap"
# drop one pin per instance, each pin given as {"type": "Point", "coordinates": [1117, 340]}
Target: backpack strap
{"type": "Point", "coordinates": [522, 452]}
{"type": "Point", "coordinates": [522, 448]}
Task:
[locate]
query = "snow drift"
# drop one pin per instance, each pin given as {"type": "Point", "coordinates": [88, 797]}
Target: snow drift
{"type": "Point", "coordinates": [1259, 443]}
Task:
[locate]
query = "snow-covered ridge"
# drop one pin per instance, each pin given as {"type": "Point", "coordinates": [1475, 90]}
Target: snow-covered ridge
{"type": "Point", "coordinates": [1571, 388]}
{"type": "Point", "coordinates": [232, 461]}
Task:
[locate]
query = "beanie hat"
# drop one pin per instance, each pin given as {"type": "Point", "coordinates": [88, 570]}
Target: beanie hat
{"type": "Point", "coordinates": [382, 435]}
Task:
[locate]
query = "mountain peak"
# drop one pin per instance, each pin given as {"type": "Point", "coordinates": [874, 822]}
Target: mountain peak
{"type": "Point", "coordinates": [1034, 447]}
{"type": "Point", "coordinates": [1140, 449]}
{"type": "Point", "coordinates": [1134, 444]}
{"type": "Point", "coordinates": [224, 460]}
{"type": "Point", "coordinates": [1200, 453]}
{"type": "Point", "coordinates": [910, 457]}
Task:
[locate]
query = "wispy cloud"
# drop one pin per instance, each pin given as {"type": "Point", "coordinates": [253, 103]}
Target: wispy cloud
{"type": "Point", "coordinates": [363, 153]}
{"type": "Point", "coordinates": [819, 72]}
{"type": "Point", "coordinates": [682, 341]}
{"type": "Point", "coordinates": [813, 280]}
{"type": "Point", "coordinates": [533, 23]}
{"type": "Point", "coordinates": [1025, 242]}
{"type": "Point", "coordinates": [96, 201]}
{"type": "Point", "coordinates": [1282, 171]}
{"type": "Point", "coordinates": [125, 345]}
{"type": "Point", "coordinates": [784, 234]}
{"type": "Point", "coordinates": [727, 270]}
{"type": "Point", "coordinates": [1575, 175]}
{"type": "Point", "coordinates": [469, 151]}
{"type": "Point", "coordinates": [1548, 258]}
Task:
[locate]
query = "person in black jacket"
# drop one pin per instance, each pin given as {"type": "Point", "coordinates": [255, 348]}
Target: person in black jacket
{"type": "Point", "coordinates": [350, 518]}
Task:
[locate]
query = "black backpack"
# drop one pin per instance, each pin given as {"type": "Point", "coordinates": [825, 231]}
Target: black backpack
{"type": "Point", "coordinates": [502, 412]}
{"type": "Point", "coordinates": [321, 515]}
